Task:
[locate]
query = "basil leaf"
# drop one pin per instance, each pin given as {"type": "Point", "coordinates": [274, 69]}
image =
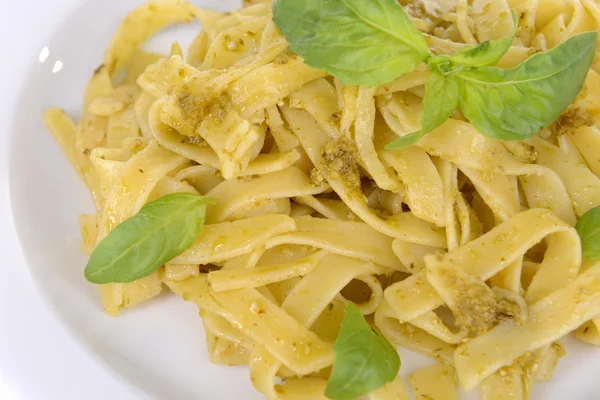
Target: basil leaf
{"type": "Point", "coordinates": [361, 42]}
{"type": "Point", "coordinates": [441, 99]}
{"type": "Point", "coordinates": [405, 141]}
{"type": "Point", "coordinates": [486, 53]}
{"type": "Point", "coordinates": [163, 229]}
{"type": "Point", "coordinates": [515, 104]}
{"type": "Point", "coordinates": [588, 228]}
{"type": "Point", "coordinates": [364, 359]}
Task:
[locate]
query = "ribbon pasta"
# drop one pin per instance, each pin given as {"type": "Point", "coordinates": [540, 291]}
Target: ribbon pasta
{"type": "Point", "coordinates": [461, 248]}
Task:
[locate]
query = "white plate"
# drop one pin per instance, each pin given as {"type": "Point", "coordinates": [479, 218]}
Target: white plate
{"type": "Point", "coordinates": [158, 347]}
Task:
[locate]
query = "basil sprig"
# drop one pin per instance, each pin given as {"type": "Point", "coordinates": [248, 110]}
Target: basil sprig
{"type": "Point", "coordinates": [365, 42]}
{"type": "Point", "coordinates": [363, 359]}
{"type": "Point", "coordinates": [161, 230]}
{"type": "Point", "coordinates": [588, 228]}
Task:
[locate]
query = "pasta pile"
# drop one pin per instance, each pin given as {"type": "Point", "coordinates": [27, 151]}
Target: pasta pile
{"type": "Point", "coordinates": [461, 247]}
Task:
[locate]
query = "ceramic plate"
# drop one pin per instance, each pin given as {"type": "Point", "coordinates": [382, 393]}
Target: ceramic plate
{"type": "Point", "coordinates": [157, 348]}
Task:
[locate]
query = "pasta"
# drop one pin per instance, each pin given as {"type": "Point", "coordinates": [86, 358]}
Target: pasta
{"type": "Point", "coordinates": [461, 247]}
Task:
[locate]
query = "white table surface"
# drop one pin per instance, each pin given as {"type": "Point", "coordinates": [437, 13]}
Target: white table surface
{"type": "Point", "coordinates": [38, 358]}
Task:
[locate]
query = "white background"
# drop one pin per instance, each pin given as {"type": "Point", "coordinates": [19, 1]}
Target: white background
{"type": "Point", "coordinates": [38, 357]}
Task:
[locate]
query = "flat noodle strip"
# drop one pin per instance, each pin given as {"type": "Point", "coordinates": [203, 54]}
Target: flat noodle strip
{"type": "Point", "coordinates": [108, 170]}
{"type": "Point", "coordinates": [271, 327]}
{"type": "Point", "coordinates": [283, 138]}
{"type": "Point", "coordinates": [139, 62]}
{"type": "Point", "coordinates": [330, 209]}
{"type": "Point", "coordinates": [474, 305]}
{"type": "Point", "coordinates": [462, 23]}
{"type": "Point", "coordinates": [140, 25]}
{"type": "Point", "coordinates": [551, 318]}
{"type": "Point", "coordinates": [129, 195]}
{"type": "Point", "coordinates": [121, 126]}
{"type": "Point", "coordinates": [589, 332]}
{"type": "Point", "coordinates": [546, 359]}
{"type": "Point", "coordinates": [99, 85]}
{"type": "Point", "coordinates": [499, 12]}
{"type": "Point", "coordinates": [168, 185]}
{"type": "Point", "coordinates": [243, 39]}
{"type": "Point", "coordinates": [162, 77]}
{"type": "Point", "coordinates": [261, 276]}
{"type": "Point", "coordinates": [317, 289]}
{"type": "Point", "coordinates": [497, 190]}
{"type": "Point", "coordinates": [489, 254]}
{"type": "Point", "coordinates": [171, 140]}
{"type": "Point", "coordinates": [449, 177]}
{"type": "Point", "coordinates": [63, 129]}
{"type": "Point", "coordinates": [347, 97]}
{"type": "Point", "coordinates": [326, 110]}
{"type": "Point", "coordinates": [406, 82]}
{"type": "Point", "coordinates": [461, 144]}
{"type": "Point", "coordinates": [364, 126]}
{"type": "Point", "coordinates": [373, 290]}
{"type": "Point", "coordinates": [263, 369]}
{"type": "Point", "coordinates": [432, 324]}
{"type": "Point", "coordinates": [113, 102]}
{"type": "Point", "coordinates": [395, 390]}
{"type": "Point", "coordinates": [227, 353]}
{"type": "Point", "coordinates": [178, 273]}
{"type": "Point", "coordinates": [553, 275]}
{"type": "Point", "coordinates": [251, 313]}
{"type": "Point", "coordinates": [226, 240]}
{"type": "Point", "coordinates": [312, 294]}
{"type": "Point", "coordinates": [233, 195]}
{"type": "Point", "coordinates": [585, 190]}
{"type": "Point", "coordinates": [442, 375]}
{"type": "Point", "coordinates": [413, 255]}
{"type": "Point", "coordinates": [223, 329]}
{"type": "Point", "coordinates": [88, 228]}
{"type": "Point", "coordinates": [587, 139]}
{"type": "Point", "coordinates": [402, 226]}
{"type": "Point", "coordinates": [91, 133]}
{"type": "Point", "coordinates": [263, 366]}
{"type": "Point", "coordinates": [506, 384]}
{"type": "Point", "coordinates": [125, 198]}
{"type": "Point", "coordinates": [424, 188]}
{"type": "Point", "coordinates": [349, 238]}
{"type": "Point", "coordinates": [142, 106]}
{"type": "Point", "coordinates": [249, 95]}
{"type": "Point", "coordinates": [411, 337]}
{"type": "Point", "coordinates": [168, 138]}
{"type": "Point", "coordinates": [203, 179]}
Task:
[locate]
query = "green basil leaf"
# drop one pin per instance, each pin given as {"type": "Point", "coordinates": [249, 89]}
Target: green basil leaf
{"type": "Point", "coordinates": [486, 53]}
{"type": "Point", "coordinates": [163, 229]}
{"type": "Point", "coordinates": [515, 104]}
{"type": "Point", "coordinates": [588, 228]}
{"type": "Point", "coordinates": [361, 42]}
{"type": "Point", "coordinates": [441, 99]}
{"type": "Point", "coordinates": [363, 359]}
{"type": "Point", "coordinates": [405, 141]}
